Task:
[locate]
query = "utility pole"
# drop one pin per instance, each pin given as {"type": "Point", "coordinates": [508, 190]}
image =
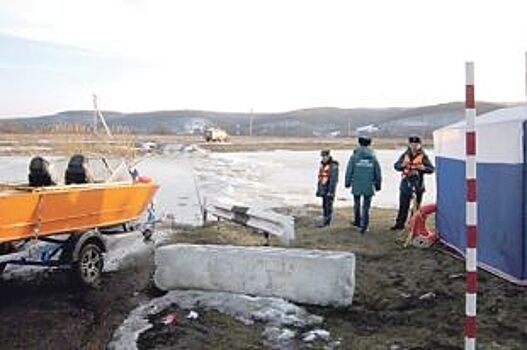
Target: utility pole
{"type": "Point", "coordinates": [349, 127]}
{"type": "Point", "coordinates": [526, 76]}
{"type": "Point", "coordinates": [97, 115]}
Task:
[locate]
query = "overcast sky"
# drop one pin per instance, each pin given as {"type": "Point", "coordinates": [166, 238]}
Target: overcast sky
{"type": "Point", "coordinates": [267, 55]}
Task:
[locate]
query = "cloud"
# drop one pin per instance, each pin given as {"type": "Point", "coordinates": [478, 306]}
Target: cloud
{"type": "Point", "coordinates": [276, 55]}
{"type": "Point", "coordinates": [38, 67]}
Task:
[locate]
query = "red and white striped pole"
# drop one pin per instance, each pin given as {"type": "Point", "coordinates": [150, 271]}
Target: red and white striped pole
{"type": "Point", "coordinates": [471, 215]}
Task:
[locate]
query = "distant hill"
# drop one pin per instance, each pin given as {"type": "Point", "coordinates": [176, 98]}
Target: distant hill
{"type": "Point", "coordinates": [424, 120]}
{"type": "Point", "coordinates": [305, 122]}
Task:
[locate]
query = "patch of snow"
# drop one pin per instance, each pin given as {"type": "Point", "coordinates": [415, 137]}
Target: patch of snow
{"type": "Point", "coordinates": [280, 335]}
{"type": "Point", "coordinates": [279, 316]}
{"type": "Point", "coordinates": [427, 296]}
{"type": "Point", "coordinates": [121, 248]}
{"type": "Point", "coordinates": [24, 273]}
{"type": "Point", "coordinates": [192, 315]}
{"type": "Point", "coordinates": [315, 334]}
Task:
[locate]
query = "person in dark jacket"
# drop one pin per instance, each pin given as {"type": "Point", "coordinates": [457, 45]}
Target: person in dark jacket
{"type": "Point", "coordinates": [413, 165]}
{"type": "Point", "coordinates": [39, 174]}
{"type": "Point", "coordinates": [328, 177]}
{"type": "Point", "coordinates": [363, 174]}
{"type": "Point", "coordinates": [77, 171]}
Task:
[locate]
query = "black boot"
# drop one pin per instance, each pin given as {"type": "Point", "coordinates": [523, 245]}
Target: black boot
{"type": "Point", "coordinates": [397, 227]}
{"type": "Point", "coordinates": [324, 223]}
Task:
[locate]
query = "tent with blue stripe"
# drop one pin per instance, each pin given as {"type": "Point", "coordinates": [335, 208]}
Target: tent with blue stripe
{"type": "Point", "coordinates": [502, 189]}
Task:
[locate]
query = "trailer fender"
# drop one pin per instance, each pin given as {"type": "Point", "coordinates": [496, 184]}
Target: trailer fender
{"type": "Point", "coordinates": [78, 240]}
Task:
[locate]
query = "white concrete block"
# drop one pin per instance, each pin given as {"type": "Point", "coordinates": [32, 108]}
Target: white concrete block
{"type": "Point", "coordinates": [304, 276]}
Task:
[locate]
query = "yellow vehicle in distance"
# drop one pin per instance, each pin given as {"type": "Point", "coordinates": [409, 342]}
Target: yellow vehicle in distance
{"type": "Point", "coordinates": [215, 135]}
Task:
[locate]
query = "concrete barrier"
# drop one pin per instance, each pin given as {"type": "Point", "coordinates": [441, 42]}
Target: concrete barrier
{"type": "Point", "coordinates": [304, 276]}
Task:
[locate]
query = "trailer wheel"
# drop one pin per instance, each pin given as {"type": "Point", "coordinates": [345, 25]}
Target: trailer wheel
{"type": "Point", "coordinates": [147, 234]}
{"type": "Point", "coordinates": [88, 268]}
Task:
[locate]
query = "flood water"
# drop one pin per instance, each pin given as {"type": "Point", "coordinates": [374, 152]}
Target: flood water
{"type": "Point", "coordinates": [264, 179]}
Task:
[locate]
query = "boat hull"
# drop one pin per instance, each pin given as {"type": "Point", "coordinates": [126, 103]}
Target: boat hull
{"type": "Point", "coordinates": [59, 209]}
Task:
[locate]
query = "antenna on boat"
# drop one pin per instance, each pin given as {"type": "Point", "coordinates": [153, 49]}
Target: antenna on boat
{"type": "Point", "coordinates": [98, 115]}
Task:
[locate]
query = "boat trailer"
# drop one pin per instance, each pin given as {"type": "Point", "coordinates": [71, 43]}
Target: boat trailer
{"type": "Point", "coordinates": [81, 252]}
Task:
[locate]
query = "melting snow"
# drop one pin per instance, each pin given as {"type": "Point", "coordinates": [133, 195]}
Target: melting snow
{"type": "Point", "coordinates": [281, 318]}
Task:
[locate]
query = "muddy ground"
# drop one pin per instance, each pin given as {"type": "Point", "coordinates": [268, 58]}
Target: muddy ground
{"type": "Point", "coordinates": [406, 298]}
{"type": "Point", "coordinates": [46, 310]}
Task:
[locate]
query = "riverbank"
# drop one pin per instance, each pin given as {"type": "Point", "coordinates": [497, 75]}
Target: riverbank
{"type": "Point", "coordinates": [131, 145]}
{"type": "Point", "coordinates": [405, 298]}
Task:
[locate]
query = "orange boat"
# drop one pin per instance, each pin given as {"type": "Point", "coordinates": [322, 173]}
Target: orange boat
{"type": "Point", "coordinates": [27, 212]}
{"type": "Point", "coordinates": [73, 213]}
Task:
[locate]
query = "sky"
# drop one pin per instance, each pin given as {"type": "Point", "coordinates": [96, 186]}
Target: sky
{"type": "Point", "coordinates": [266, 56]}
